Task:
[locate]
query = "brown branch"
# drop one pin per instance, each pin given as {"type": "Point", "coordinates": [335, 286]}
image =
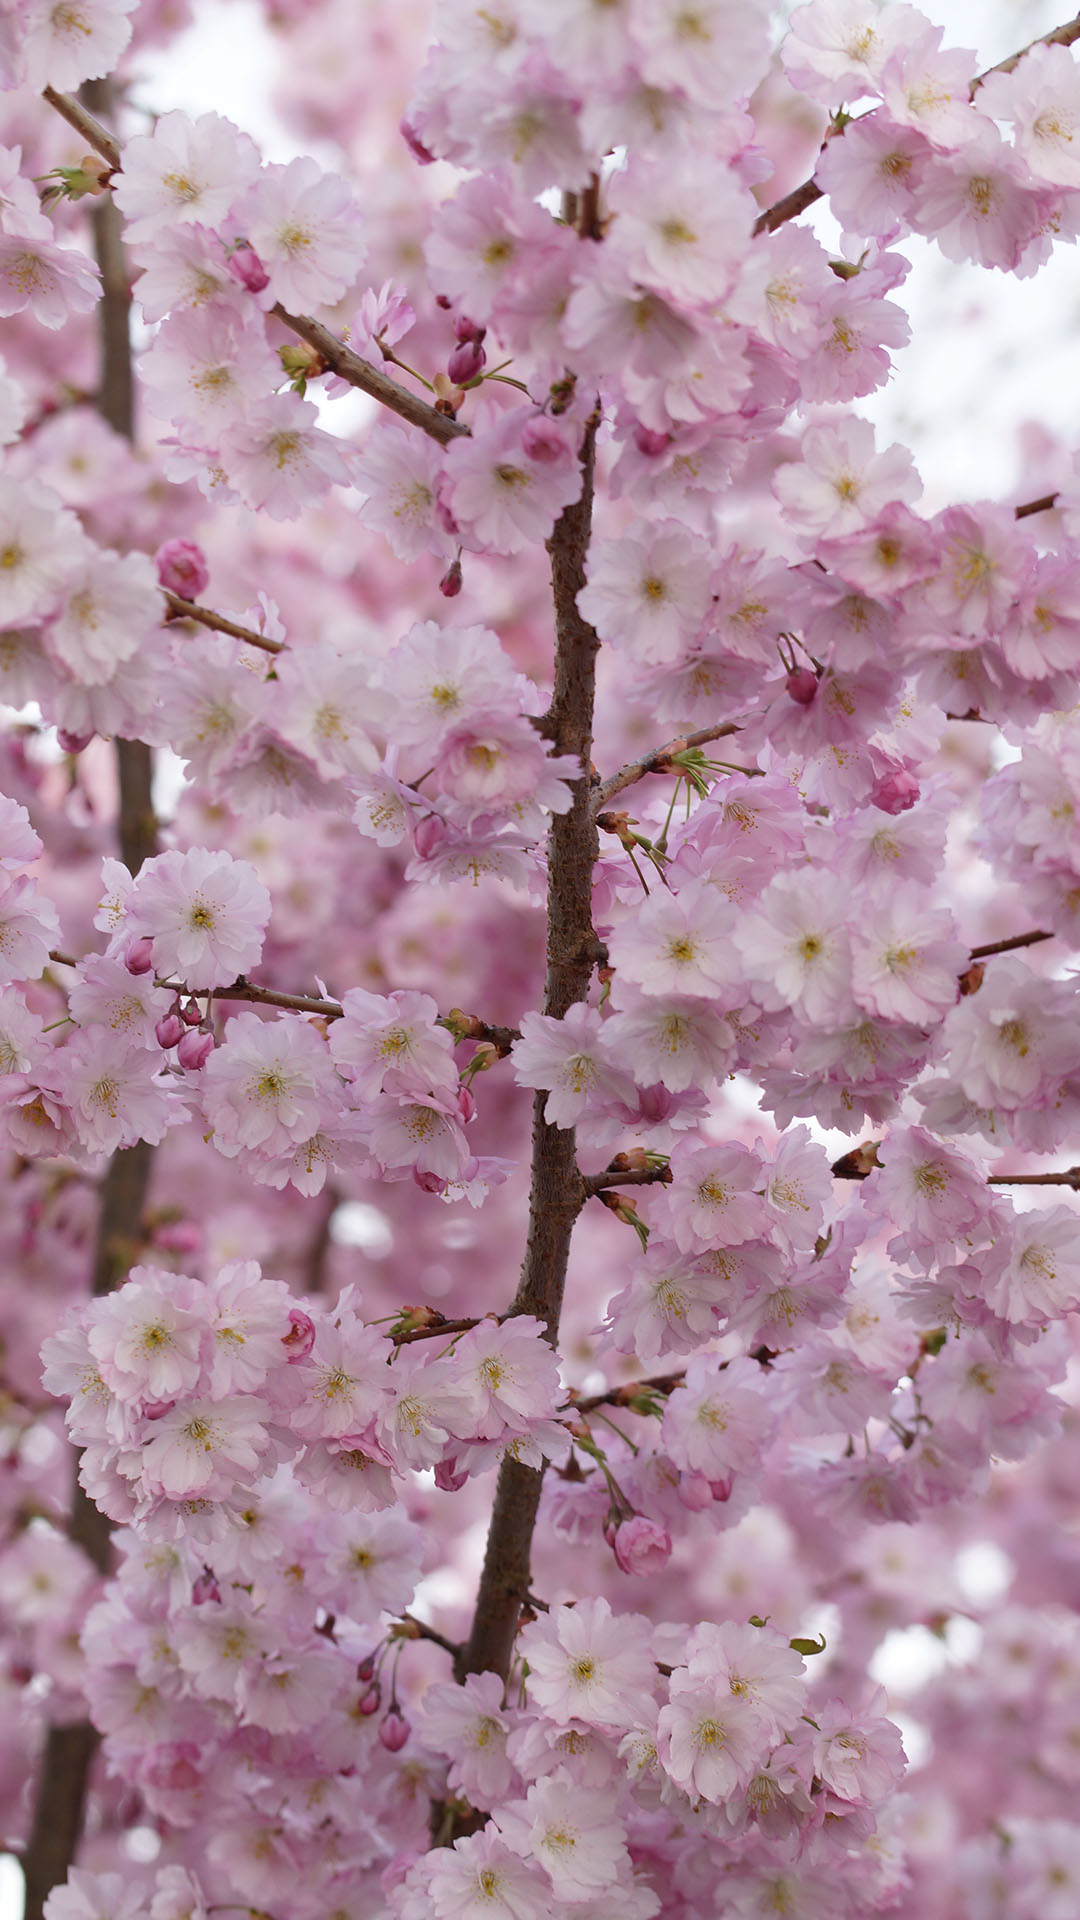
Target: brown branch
{"type": "Point", "coordinates": [625, 1395]}
{"type": "Point", "coordinates": [595, 1183]}
{"type": "Point", "coordinates": [64, 1770]}
{"type": "Point", "coordinates": [1009, 946]}
{"type": "Point", "coordinates": [438, 1328]}
{"type": "Point", "coordinates": [804, 196]}
{"type": "Point", "coordinates": [419, 1630]}
{"type": "Point", "coordinates": [270, 997]}
{"type": "Point", "coordinates": [658, 761]}
{"type": "Point", "coordinates": [557, 1192]}
{"type": "Point", "coordinates": [205, 616]}
{"type": "Point", "coordinates": [84, 123]}
{"type": "Point", "coordinates": [360, 373]}
{"type": "Point", "coordinates": [1043, 505]}
{"type": "Point", "coordinates": [1068, 1177]}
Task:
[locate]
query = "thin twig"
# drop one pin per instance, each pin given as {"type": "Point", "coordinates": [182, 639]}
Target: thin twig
{"type": "Point", "coordinates": [1043, 505]}
{"type": "Point", "coordinates": [348, 366]}
{"type": "Point", "coordinates": [804, 196]}
{"type": "Point", "coordinates": [1009, 946]}
{"type": "Point", "coordinates": [626, 1177]}
{"type": "Point", "coordinates": [270, 997]}
{"type": "Point", "coordinates": [419, 1630]}
{"type": "Point", "coordinates": [625, 1395]}
{"type": "Point", "coordinates": [84, 123]}
{"type": "Point", "coordinates": [180, 609]}
{"type": "Point", "coordinates": [657, 761]}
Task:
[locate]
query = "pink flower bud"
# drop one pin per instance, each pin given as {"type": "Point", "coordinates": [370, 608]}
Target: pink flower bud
{"type": "Point", "coordinates": [721, 1489]}
{"type": "Point", "coordinates": [465, 362]}
{"type": "Point", "coordinates": [169, 1030]}
{"type": "Point", "coordinates": [415, 144]}
{"type": "Point", "coordinates": [300, 1338]}
{"type": "Point", "coordinates": [649, 442]}
{"type": "Point", "coordinates": [894, 791]}
{"type": "Point", "coordinates": [181, 567]}
{"type": "Point", "coordinates": [640, 1546]}
{"type": "Point", "coordinates": [466, 1105]}
{"type": "Point", "coordinates": [394, 1730]}
{"type": "Point", "coordinates": [429, 835]}
{"type": "Point", "coordinates": [544, 442]}
{"type": "Point", "coordinates": [72, 742]}
{"type": "Point", "coordinates": [448, 1477]}
{"type": "Point", "coordinates": [139, 956]}
{"type": "Point", "coordinates": [802, 686]}
{"type": "Point", "coordinates": [694, 1491]}
{"type": "Point", "coordinates": [194, 1050]}
{"type": "Point", "coordinates": [191, 1014]}
{"type": "Point", "coordinates": [429, 1182]}
{"type": "Point", "coordinates": [179, 1236]}
{"type": "Point", "coordinates": [371, 1701]}
{"type": "Point", "coordinates": [246, 267]}
{"type": "Point", "coordinates": [204, 1588]}
{"type": "Point", "coordinates": [450, 584]}
{"type": "Point", "coordinates": [365, 1669]}
{"type": "Point", "coordinates": [466, 329]}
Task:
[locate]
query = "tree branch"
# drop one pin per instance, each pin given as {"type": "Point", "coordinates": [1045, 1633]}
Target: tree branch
{"type": "Point", "coordinates": [557, 1191]}
{"type": "Point", "coordinates": [179, 609]}
{"type": "Point", "coordinates": [1009, 946]}
{"type": "Point", "coordinates": [625, 1395]}
{"type": "Point", "coordinates": [800, 198]}
{"type": "Point", "coordinates": [64, 1773]}
{"type": "Point", "coordinates": [657, 761]}
{"type": "Point", "coordinates": [84, 123]}
{"type": "Point", "coordinates": [360, 373]}
{"type": "Point", "coordinates": [595, 1183]}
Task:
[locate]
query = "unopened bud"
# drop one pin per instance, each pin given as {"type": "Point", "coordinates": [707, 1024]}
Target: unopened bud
{"type": "Point", "coordinates": [191, 1014]}
{"type": "Point", "coordinates": [204, 1588]}
{"type": "Point", "coordinates": [466, 362]}
{"type": "Point", "coordinates": [394, 1731]}
{"type": "Point", "coordinates": [300, 361]}
{"type": "Point", "coordinates": [194, 1050]}
{"type": "Point", "coordinates": [649, 442]}
{"type": "Point", "coordinates": [370, 1702]}
{"type": "Point", "coordinates": [802, 686]}
{"type": "Point", "coordinates": [70, 742]}
{"type": "Point", "coordinates": [169, 1031]}
{"type": "Point", "coordinates": [895, 791]}
{"type": "Point", "coordinates": [415, 145]}
{"type": "Point", "coordinates": [466, 329]}
{"type": "Point", "coordinates": [181, 568]}
{"type": "Point", "coordinates": [300, 1338]}
{"type": "Point", "coordinates": [451, 582]}
{"type": "Point", "coordinates": [139, 956]}
{"type": "Point", "coordinates": [246, 267]}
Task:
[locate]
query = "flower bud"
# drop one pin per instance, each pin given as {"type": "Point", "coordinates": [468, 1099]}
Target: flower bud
{"type": "Point", "coordinates": [300, 1338]}
{"type": "Point", "coordinates": [465, 362]}
{"type": "Point", "coordinates": [204, 1588]}
{"type": "Point", "coordinates": [802, 686]}
{"type": "Point", "coordinates": [694, 1491]}
{"type": "Point", "coordinates": [246, 267]}
{"type": "Point", "coordinates": [448, 1477]}
{"type": "Point", "coordinates": [139, 956]}
{"type": "Point", "coordinates": [365, 1669]}
{"type": "Point", "coordinates": [169, 1031]}
{"type": "Point", "coordinates": [195, 1049]}
{"type": "Point", "coordinates": [640, 1546]}
{"type": "Point", "coordinates": [429, 835]}
{"type": "Point", "coordinates": [191, 1014]}
{"type": "Point", "coordinates": [415, 144]}
{"type": "Point", "coordinates": [72, 742]}
{"type": "Point", "coordinates": [894, 791]}
{"type": "Point", "coordinates": [466, 1105]}
{"type": "Point", "coordinates": [429, 1182]}
{"type": "Point", "coordinates": [544, 442]}
{"type": "Point", "coordinates": [181, 568]}
{"type": "Point", "coordinates": [370, 1702]}
{"type": "Point", "coordinates": [450, 584]}
{"type": "Point", "coordinates": [178, 1236]}
{"type": "Point", "coordinates": [394, 1730]}
{"type": "Point", "coordinates": [649, 442]}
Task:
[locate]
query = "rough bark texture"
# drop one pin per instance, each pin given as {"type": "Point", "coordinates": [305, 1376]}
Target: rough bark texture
{"type": "Point", "coordinates": [557, 1192]}
{"type": "Point", "coordinates": [69, 1751]}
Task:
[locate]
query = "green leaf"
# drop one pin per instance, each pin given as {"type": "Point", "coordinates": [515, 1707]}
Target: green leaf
{"type": "Point", "coordinates": [808, 1647]}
